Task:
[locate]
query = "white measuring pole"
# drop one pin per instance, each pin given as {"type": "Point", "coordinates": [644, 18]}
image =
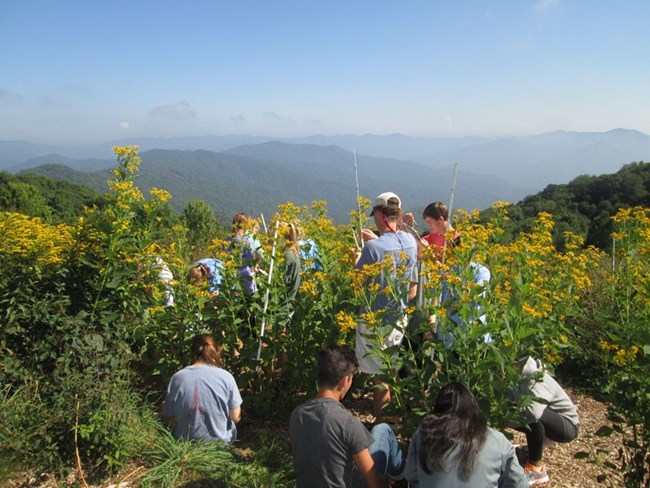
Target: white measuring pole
{"type": "Point", "coordinates": [450, 208]}
{"type": "Point", "coordinates": [268, 290]}
{"type": "Point", "coordinates": [356, 178]}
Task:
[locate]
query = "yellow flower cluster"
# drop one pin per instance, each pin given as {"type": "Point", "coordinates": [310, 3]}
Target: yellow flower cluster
{"type": "Point", "coordinates": [626, 356]}
{"type": "Point", "coordinates": [128, 159]}
{"type": "Point", "coordinates": [371, 319]}
{"type": "Point", "coordinates": [308, 287]}
{"type": "Point", "coordinates": [345, 321]}
{"type": "Point", "coordinates": [30, 240]}
{"type": "Point", "coordinates": [608, 346]}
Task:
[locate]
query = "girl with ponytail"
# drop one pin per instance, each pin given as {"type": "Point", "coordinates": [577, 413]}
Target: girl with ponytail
{"type": "Point", "coordinates": [202, 400]}
{"type": "Point", "coordinates": [291, 263]}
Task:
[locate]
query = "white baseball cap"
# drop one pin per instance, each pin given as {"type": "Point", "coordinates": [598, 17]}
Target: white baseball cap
{"type": "Point", "coordinates": [386, 199]}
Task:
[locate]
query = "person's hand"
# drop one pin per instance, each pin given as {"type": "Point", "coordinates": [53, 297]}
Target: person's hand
{"type": "Point", "coordinates": [409, 219]}
{"type": "Point", "coordinates": [356, 253]}
{"type": "Point", "coordinates": [368, 235]}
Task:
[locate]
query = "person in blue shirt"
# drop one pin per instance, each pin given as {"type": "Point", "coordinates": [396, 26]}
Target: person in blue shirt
{"type": "Point", "coordinates": [203, 401]}
{"type": "Point", "coordinates": [400, 249]}
{"type": "Point", "coordinates": [309, 254]}
{"type": "Point", "coordinates": [210, 270]}
{"type": "Point", "coordinates": [244, 243]}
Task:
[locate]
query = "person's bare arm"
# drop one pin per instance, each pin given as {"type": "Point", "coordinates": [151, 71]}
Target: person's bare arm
{"type": "Point", "coordinates": [368, 235]}
{"type": "Point", "coordinates": [409, 219]}
{"type": "Point", "coordinates": [413, 291]}
{"type": "Point", "coordinates": [366, 466]}
{"type": "Point", "coordinates": [235, 414]}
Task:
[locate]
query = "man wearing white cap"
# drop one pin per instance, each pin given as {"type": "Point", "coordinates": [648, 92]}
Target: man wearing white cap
{"type": "Point", "coordinates": [401, 248]}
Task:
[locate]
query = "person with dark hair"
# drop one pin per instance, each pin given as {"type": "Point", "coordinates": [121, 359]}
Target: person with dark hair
{"type": "Point", "coordinates": [202, 400]}
{"type": "Point", "coordinates": [436, 216]}
{"type": "Point", "coordinates": [400, 248]}
{"type": "Point", "coordinates": [327, 441]}
{"type": "Point", "coordinates": [555, 419]}
{"type": "Point", "coordinates": [208, 269]}
{"type": "Point", "coordinates": [454, 447]}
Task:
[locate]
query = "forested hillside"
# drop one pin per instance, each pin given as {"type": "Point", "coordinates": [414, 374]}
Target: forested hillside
{"type": "Point", "coordinates": [257, 178]}
{"type": "Point", "coordinates": [585, 206]}
{"type": "Point", "coordinates": [35, 195]}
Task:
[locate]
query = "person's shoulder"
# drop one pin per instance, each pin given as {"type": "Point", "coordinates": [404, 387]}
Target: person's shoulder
{"type": "Point", "coordinates": [182, 373]}
{"type": "Point", "coordinates": [371, 251]}
{"type": "Point", "coordinates": [406, 235]}
{"type": "Point", "coordinates": [499, 440]}
{"type": "Point", "coordinates": [374, 243]}
{"type": "Point", "coordinates": [308, 407]}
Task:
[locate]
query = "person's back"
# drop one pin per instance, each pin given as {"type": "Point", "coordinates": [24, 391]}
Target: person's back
{"type": "Point", "coordinates": [454, 448]}
{"type": "Point", "coordinates": [494, 466]}
{"type": "Point", "coordinates": [324, 436]}
{"type": "Point", "coordinates": [327, 441]}
{"type": "Point", "coordinates": [200, 398]}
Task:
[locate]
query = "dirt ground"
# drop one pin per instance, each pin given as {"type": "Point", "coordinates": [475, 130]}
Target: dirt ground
{"type": "Point", "coordinates": [590, 460]}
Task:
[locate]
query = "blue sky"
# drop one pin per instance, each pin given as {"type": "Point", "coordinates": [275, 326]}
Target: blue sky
{"type": "Point", "coordinates": [91, 71]}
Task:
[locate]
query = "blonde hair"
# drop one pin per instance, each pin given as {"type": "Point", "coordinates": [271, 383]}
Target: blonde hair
{"type": "Point", "coordinates": [240, 221]}
{"type": "Point", "coordinates": [291, 236]}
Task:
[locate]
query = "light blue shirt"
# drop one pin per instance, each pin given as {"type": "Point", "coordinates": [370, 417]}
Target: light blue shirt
{"type": "Point", "coordinates": [496, 466]}
{"type": "Point", "coordinates": [249, 246]}
{"type": "Point", "coordinates": [403, 250]}
{"type": "Point", "coordinates": [200, 398]}
{"type": "Point", "coordinates": [215, 266]}
{"type": "Point", "coordinates": [309, 253]}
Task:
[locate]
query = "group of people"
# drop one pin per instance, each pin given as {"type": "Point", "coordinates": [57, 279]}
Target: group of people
{"type": "Point", "coordinates": [453, 445]}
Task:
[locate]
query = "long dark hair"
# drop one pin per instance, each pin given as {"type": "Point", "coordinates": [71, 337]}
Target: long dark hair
{"type": "Point", "coordinates": [457, 422]}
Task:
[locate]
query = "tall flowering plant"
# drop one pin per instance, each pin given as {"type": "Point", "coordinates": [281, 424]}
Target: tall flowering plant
{"type": "Point", "coordinates": [475, 329]}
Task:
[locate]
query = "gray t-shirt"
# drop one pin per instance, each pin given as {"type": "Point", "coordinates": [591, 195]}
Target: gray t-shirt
{"type": "Point", "coordinates": [324, 437]}
{"type": "Point", "coordinates": [200, 398]}
{"type": "Point", "coordinates": [496, 465]}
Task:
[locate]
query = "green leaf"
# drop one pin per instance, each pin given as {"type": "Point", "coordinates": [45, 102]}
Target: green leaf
{"type": "Point", "coordinates": [96, 342]}
{"type": "Point", "coordinates": [604, 431]}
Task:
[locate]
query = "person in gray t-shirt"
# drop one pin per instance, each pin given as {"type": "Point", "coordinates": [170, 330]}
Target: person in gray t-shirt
{"type": "Point", "coordinates": [327, 441]}
{"type": "Point", "coordinates": [202, 400]}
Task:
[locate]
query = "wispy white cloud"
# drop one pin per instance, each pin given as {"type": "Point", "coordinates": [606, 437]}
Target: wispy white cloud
{"type": "Point", "coordinates": [276, 117]}
{"type": "Point", "coordinates": [181, 110]}
{"type": "Point", "coordinates": [283, 119]}
{"type": "Point", "coordinates": [123, 125]}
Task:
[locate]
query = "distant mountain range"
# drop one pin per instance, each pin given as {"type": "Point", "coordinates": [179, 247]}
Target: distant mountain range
{"type": "Point", "coordinates": [247, 173]}
{"type": "Point", "coordinates": [257, 178]}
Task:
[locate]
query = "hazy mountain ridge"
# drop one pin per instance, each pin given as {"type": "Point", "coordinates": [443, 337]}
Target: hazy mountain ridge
{"type": "Point", "coordinates": [526, 161]}
{"type": "Point", "coordinates": [257, 178]}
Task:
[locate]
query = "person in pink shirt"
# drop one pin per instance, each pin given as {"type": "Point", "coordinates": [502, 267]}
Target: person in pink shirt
{"type": "Point", "coordinates": [436, 216]}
